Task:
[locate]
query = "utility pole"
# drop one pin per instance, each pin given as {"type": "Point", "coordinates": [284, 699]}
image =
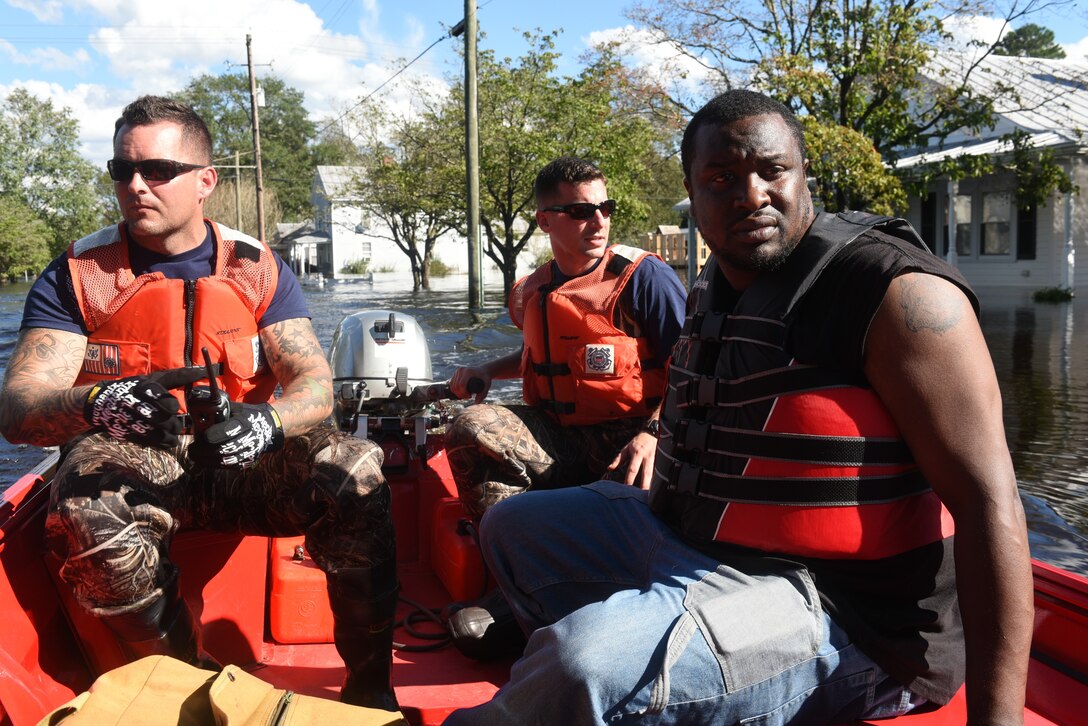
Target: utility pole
{"type": "Point", "coordinates": [472, 163]}
{"type": "Point", "coordinates": [256, 138]}
{"type": "Point", "coordinates": [238, 189]}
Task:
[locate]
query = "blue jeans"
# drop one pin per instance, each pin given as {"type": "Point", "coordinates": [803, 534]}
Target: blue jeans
{"type": "Point", "coordinates": [630, 625]}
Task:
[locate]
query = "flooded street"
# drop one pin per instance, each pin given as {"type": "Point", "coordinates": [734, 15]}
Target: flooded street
{"type": "Point", "coordinates": [1039, 352]}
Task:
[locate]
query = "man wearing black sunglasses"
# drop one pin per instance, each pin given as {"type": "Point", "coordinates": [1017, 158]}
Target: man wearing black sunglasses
{"type": "Point", "coordinates": [599, 323]}
{"type": "Point", "coordinates": [114, 334]}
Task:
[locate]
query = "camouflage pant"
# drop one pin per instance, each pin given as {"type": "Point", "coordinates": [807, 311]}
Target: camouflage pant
{"type": "Point", "coordinates": [115, 506]}
{"type": "Point", "coordinates": [498, 451]}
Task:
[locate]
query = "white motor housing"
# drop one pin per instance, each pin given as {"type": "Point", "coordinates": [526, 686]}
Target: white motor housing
{"type": "Point", "coordinates": [377, 358]}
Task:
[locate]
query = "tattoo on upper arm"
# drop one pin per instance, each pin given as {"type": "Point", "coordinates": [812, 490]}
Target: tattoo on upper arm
{"type": "Point", "coordinates": [294, 341]}
{"type": "Point", "coordinates": [927, 307]}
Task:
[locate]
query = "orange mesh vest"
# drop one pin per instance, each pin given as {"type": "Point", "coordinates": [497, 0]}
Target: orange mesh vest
{"type": "Point", "coordinates": [137, 325]}
{"type": "Point", "coordinates": [576, 363]}
{"type": "Point", "coordinates": [762, 450]}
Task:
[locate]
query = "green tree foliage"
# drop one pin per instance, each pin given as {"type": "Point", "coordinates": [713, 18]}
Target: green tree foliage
{"type": "Point", "coordinates": [287, 134]}
{"type": "Point", "coordinates": [412, 180]}
{"type": "Point", "coordinates": [528, 116]}
{"type": "Point", "coordinates": [855, 63]}
{"type": "Point", "coordinates": [25, 240]}
{"type": "Point", "coordinates": [1030, 41]}
{"type": "Point", "coordinates": [41, 168]}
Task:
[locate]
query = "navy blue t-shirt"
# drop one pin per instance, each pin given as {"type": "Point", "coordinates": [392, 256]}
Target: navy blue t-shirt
{"type": "Point", "coordinates": [655, 300]}
{"type": "Point", "coordinates": [51, 302]}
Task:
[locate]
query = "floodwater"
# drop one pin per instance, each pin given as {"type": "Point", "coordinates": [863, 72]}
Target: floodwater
{"type": "Point", "coordinates": [1037, 349]}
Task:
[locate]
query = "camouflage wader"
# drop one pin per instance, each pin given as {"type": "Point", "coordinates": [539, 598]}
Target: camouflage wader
{"type": "Point", "coordinates": [115, 506]}
{"type": "Point", "coordinates": [498, 451]}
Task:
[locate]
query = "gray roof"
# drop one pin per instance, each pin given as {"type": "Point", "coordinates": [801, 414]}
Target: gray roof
{"type": "Point", "coordinates": [337, 182]}
{"type": "Point", "coordinates": [1052, 107]}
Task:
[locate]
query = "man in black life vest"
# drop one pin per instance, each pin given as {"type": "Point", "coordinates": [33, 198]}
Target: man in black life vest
{"type": "Point", "coordinates": [832, 487]}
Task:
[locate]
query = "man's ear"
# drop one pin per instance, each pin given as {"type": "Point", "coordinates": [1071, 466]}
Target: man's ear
{"type": "Point", "coordinates": [691, 202]}
{"type": "Point", "coordinates": [543, 221]}
{"type": "Point", "coordinates": [207, 178]}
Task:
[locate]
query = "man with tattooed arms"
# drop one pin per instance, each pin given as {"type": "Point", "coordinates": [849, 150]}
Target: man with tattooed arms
{"type": "Point", "coordinates": [833, 531]}
{"type": "Point", "coordinates": [112, 338]}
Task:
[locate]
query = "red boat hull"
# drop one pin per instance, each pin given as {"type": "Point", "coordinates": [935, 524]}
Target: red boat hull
{"type": "Point", "coordinates": [265, 609]}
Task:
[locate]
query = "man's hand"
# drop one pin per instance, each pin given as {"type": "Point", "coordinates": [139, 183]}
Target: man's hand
{"type": "Point", "coordinates": [251, 430]}
{"type": "Point", "coordinates": [140, 409]}
{"type": "Point", "coordinates": [469, 380]}
{"type": "Point", "coordinates": [638, 456]}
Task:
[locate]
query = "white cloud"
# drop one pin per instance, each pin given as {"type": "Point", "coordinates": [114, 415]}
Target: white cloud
{"type": "Point", "coordinates": [46, 11]}
{"type": "Point", "coordinates": [968, 31]}
{"type": "Point", "coordinates": [1077, 51]}
{"type": "Point", "coordinates": [658, 58]}
{"type": "Point", "coordinates": [95, 107]}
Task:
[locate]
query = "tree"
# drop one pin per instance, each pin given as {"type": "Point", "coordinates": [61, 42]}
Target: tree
{"type": "Point", "coordinates": [25, 240]}
{"type": "Point", "coordinates": [412, 180]}
{"type": "Point", "coordinates": [229, 197]}
{"type": "Point", "coordinates": [42, 169]}
{"type": "Point", "coordinates": [1030, 41]}
{"type": "Point", "coordinates": [529, 116]}
{"type": "Point", "coordinates": [856, 64]}
{"type": "Point", "coordinates": [286, 133]}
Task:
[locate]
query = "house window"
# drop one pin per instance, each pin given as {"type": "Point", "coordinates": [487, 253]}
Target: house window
{"type": "Point", "coordinates": [1025, 233]}
{"type": "Point", "coordinates": [963, 225]}
{"type": "Point", "coordinates": [995, 232]}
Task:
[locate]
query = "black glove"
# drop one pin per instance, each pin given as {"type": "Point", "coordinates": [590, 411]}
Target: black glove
{"type": "Point", "coordinates": [140, 409]}
{"type": "Point", "coordinates": [251, 430]}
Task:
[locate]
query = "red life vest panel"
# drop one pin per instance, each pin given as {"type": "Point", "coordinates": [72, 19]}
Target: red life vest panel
{"type": "Point", "coordinates": [577, 364]}
{"type": "Point", "coordinates": [761, 450]}
{"type": "Point", "coordinates": [137, 325]}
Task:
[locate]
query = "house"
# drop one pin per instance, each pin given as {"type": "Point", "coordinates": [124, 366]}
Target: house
{"type": "Point", "coordinates": [342, 233]}
{"type": "Point", "coordinates": [976, 223]}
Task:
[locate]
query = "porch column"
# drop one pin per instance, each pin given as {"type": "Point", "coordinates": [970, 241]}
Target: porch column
{"type": "Point", "coordinates": [1070, 248]}
{"type": "Point", "coordinates": [950, 254]}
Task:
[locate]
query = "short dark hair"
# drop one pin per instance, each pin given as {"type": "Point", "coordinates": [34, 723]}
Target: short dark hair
{"type": "Point", "coordinates": [569, 169]}
{"type": "Point", "coordinates": [147, 110]}
{"type": "Point", "coordinates": [734, 105]}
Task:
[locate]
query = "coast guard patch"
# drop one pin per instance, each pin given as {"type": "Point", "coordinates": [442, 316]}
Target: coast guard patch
{"type": "Point", "coordinates": [102, 359]}
{"type": "Point", "coordinates": [600, 359]}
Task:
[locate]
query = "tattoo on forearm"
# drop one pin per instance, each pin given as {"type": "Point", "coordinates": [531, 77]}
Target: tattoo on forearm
{"type": "Point", "coordinates": [38, 405]}
{"type": "Point", "coordinates": [926, 308]}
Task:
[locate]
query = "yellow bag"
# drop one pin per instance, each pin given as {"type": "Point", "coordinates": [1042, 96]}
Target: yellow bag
{"type": "Point", "coordinates": [161, 690]}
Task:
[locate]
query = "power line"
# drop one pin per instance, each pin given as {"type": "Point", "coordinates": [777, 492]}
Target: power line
{"type": "Point", "coordinates": [384, 83]}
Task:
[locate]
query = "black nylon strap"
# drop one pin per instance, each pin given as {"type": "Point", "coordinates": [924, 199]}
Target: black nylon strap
{"type": "Point", "coordinates": [557, 407]}
{"type": "Point", "coordinates": [807, 492]}
{"type": "Point", "coordinates": [552, 369]}
{"type": "Point", "coordinates": [699, 436]}
{"type": "Point", "coordinates": [693, 390]}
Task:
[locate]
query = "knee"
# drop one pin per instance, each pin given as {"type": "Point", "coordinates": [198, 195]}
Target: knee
{"type": "Point", "coordinates": [345, 467]}
{"type": "Point", "coordinates": [468, 426]}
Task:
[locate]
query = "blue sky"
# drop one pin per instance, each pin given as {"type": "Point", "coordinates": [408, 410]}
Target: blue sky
{"type": "Point", "coordinates": [93, 56]}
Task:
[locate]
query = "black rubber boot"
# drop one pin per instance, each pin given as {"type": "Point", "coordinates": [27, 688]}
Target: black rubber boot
{"type": "Point", "coordinates": [165, 627]}
{"type": "Point", "coordinates": [486, 629]}
{"type": "Point", "coordinates": [364, 603]}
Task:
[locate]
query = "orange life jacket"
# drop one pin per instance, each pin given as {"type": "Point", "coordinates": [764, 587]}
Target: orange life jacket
{"type": "Point", "coordinates": [576, 363]}
{"type": "Point", "coordinates": [761, 450]}
{"type": "Point", "coordinates": [137, 325]}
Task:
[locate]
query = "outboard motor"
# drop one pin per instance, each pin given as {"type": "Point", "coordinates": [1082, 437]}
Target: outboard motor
{"type": "Point", "coordinates": [382, 380]}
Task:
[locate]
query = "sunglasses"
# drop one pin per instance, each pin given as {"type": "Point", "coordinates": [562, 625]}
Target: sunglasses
{"type": "Point", "coordinates": [583, 211]}
{"type": "Point", "coordinates": [152, 170]}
